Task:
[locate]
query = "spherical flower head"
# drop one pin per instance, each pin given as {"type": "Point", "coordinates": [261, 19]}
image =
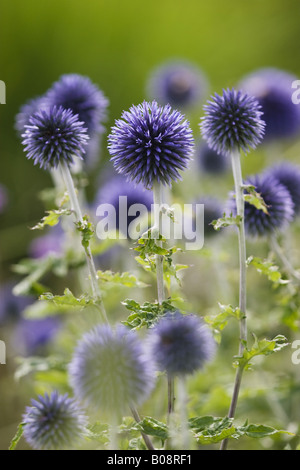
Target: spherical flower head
{"type": "Point", "coordinates": [54, 422]}
{"type": "Point", "coordinates": [181, 344]}
{"type": "Point", "coordinates": [27, 110]}
{"type": "Point", "coordinates": [117, 187]}
{"type": "Point", "coordinates": [78, 93]}
{"type": "Point", "coordinates": [273, 89]}
{"type": "Point", "coordinates": [110, 370]}
{"type": "Point", "coordinates": [210, 161]}
{"type": "Point", "coordinates": [279, 204]}
{"type": "Point", "coordinates": [151, 143]}
{"type": "Point", "coordinates": [288, 174]}
{"type": "Point", "coordinates": [178, 83]}
{"type": "Point", "coordinates": [54, 136]}
{"type": "Point", "coordinates": [232, 122]}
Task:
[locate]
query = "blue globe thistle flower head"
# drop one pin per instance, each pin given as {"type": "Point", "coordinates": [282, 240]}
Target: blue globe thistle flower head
{"type": "Point", "coordinates": [179, 83]}
{"type": "Point", "coordinates": [84, 98]}
{"type": "Point", "coordinates": [3, 198]}
{"type": "Point", "coordinates": [116, 187]}
{"type": "Point", "coordinates": [279, 203]}
{"type": "Point", "coordinates": [31, 337]}
{"type": "Point", "coordinates": [181, 344]}
{"type": "Point", "coordinates": [54, 422]}
{"type": "Point", "coordinates": [27, 110]}
{"type": "Point", "coordinates": [53, 136]}
{"type": "Point", "coordinates": [273, 89]}
{"type": "Point", "coordinates": [232, 122]}
{"type": "Point", "coordinates": [110, 370]}
{"type": "Point", "coordinates": [210, 161]}
{"type": "Point", "coordinates": [288, 174]}
{"type": "Point", "coordinates": [151, 143]}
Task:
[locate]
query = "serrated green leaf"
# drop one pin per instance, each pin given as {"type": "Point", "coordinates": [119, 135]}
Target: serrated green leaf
{"type": "Point", "coordinates": [87, 231]}
{"type": "Point", "coordinates": [260, 348]}
{"type": "Point", "coordinates": [153, 427]}
{"type": "Point", "coordinates": [255, 199]}
{"type": "Point", "coordinates": [68, 299]}
{"type": "Point", "coordinates": [124, 279]}
{"type": "Point", "coordinates": [219, 322]}
{"type": "Point", "coordinates": [225, 221]}
{"type": "Point", "coordinates": [17, 437]}
{"type": "Point", "coordinates": [51, 219]}
{"type": "Point", "coordinates": [267, 268]}
{"type": "Point", "coordinates": [146, 314]}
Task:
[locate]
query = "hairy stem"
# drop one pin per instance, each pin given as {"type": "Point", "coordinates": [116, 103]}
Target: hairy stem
{"type": "Point", "coordinates": [240, 205]}
{"type": "Point", "coordinates": [75, 206]}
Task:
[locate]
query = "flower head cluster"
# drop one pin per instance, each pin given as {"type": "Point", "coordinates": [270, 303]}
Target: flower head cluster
{"type": "Point", "coordinates": [181, 344]}
{"type": "Point", "coordinates": [279, 203]}
{"type": "Point", "coordinates": [78, 93]}
{"type": "Point", "coordinates": [273, 89]}
{"type": "Point", "coordinates": [178, 83]}
{"type": "Point", "coordinates": [288, 174]}
{"type": "Point", "coordinates": [232, 122]}
{"type": "Point", "coordinates": [54, 136]}
{"type": "Point", "coordinates": [110, 370]}
{"type": "Point", "coordinates": [151, 144]}
{"type": "Point", "coordinates": [54, 422]}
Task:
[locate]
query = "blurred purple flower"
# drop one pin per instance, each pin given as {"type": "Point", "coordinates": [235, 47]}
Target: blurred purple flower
{"type": "Point", "coordinates": [210, 161]}
{"type": "Point", "coordinates": [11, 306]}
{"type": "Point", "coordinates": [273, 89]}
{"type": "Point", "coordinates": [180, 83]}
{"type": "Point", "coordinates": [30, 337]}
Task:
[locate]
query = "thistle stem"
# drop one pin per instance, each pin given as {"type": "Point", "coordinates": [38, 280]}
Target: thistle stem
{"type": "Point", "coordinates": [240, 205]}
{"type": "Point", "coordinates": [146, 438]}
{"type": "Point", "coordinates": [75, 206]}
{"type": "Point", "coordinates": [158, 200]}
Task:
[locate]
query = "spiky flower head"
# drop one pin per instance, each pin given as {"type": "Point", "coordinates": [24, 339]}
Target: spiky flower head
{"type": "Point", "coordinates": [210, 161]}
{"type": "Point", "coordinates": [54, 136]}
{"type": "Point", "coordinates": [110, 370]}
{"type": "Point", "coordinates": [181, 344]}
{"type": "Point", "coordinates": [78, 93]}
{"type": "Point", "coordinates": [288, 174]}
{"type": "Point", "coordinates": [232, 122]}
{"type": "Point", "coordinates": [279, 203]}
{"type": "Point", "coordinates": [54, 422]}
{"type": "Point", "coordinates": [179, 83]}
{"type": "Point", "coordinates": [151, 143]}
{"type": "Point", "coordinates": [273, 89]}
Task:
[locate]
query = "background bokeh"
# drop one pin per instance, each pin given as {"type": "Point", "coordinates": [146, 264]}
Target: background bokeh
{"type": "Point", "coordinates": [117, 44]}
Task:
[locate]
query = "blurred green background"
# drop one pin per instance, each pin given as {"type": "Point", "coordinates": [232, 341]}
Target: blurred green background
{"type": "Point", "coordinates": [117, 43]}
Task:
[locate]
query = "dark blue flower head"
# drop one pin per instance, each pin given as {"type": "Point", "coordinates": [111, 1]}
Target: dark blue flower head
{"type": "Point", "coordinates": [27, 110]}
{"type": "Point", "coordinates": [232, 122]}
{"type": "Point", "coordinates": [278, 200]}
{"type": "Point", "coordinates": [151, 144]}
{"type": "Point", "coordinates": [110, 370]}
{"type": "Point", "coordinates": [288, 174]}
{"type": "Point", "coordinates": [178, 83]}
{"type": "Point", "coordinates": [54, 136]}
{"type": "Point", "coordinates": [210, 161]}
{"type": "Point", "coordinates": [273, 89]}
{"type": "Point", "coordinates": [78, 93]}
{"type": "Point", "coordinates": [54, 422]}
{"type": "Point", "coordinates": [118, 187]}
{"type": "Point", "coordinates": [181, 344]}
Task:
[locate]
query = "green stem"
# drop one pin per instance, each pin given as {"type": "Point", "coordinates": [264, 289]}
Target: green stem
{"type": "Point", "coordinates": [283, 258]}
{"type": "Point", "coordinates": [158, 200]}
{"type": "Point", "coordinates": [240, 205]}
{"type": "Point", "coordinates": [146, 438]}
{"type": "Point", "coordinates": [75, 206]}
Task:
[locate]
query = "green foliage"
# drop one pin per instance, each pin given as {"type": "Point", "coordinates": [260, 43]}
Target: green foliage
{"type": "Point", "coordinates": [262, 347]}
{"type": "Point", "coordinates": [17, 437]}
{"type": "Point", "coordinates": [255, 199]}
{"type": "Point", "coordinates": [32, 365]}
{"type": "Point", "coordinates": [226, 222]}
{"type": "Point", "coordinates": [267, 268]}
{"type": "Point", "coordinates": [126, 279]}
{"type": "Point", "coordinates": [220, 321]}
{"type": "Point", "coordinates": [86, 229]}
{"type": "Point", "coordinates": [52, 218]}
{"type": "Point", "coordinates": [146, 314]}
